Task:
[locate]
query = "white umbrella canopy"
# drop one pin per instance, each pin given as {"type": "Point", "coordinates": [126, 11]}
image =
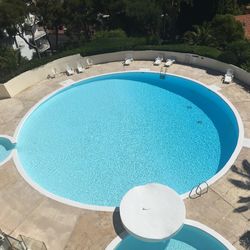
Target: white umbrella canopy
{"type": "Point", "coordinates": [153, 212]}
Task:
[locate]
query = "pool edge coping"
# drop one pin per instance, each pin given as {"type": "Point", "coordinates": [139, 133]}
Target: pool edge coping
{"type": "Point", "coordinates": [13, 141]}
{"type": "Point", "coordinates": [66, 201]}
{"type": "Point", "coordinates": [116, 241]}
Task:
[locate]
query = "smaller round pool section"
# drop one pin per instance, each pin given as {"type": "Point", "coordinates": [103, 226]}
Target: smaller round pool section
{"type": "Point", "coordinates": [91, 142]}
{"type": "Point", "coordinates": [6, 146]}
{"type": "Point", "coordinates": [190, 237]}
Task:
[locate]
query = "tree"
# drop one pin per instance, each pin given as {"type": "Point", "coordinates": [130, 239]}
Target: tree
{"type": "Point", "coordinates": [226, 29]}
{"type": "Point", "coordinates": [237, 53]}
{"type": "Point", "coordinates": [10, 59]}
{"type": "Point", "coordinates": [227, 7]}
{"type": "Point", "coordinates": [51, 13]}
{"type": "Point", "coordinates": [13, 17]}
{"type": "Point", "coordinates": [201, 35]}
{"type": "Point", "coordinates": [81, 17]}
{"type": "Point", "coordinates": [143, 17]}
{"type": "Point", "coordinates": [170, 12]}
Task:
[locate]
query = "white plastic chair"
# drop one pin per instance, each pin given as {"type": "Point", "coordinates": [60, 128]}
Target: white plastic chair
{"type": "Point", "coordinates": [79, 68]}
{"type": "Point", "coordinates": [69, 71]}
{"type": "Point", "coordinates": [52, 74]}
{"type": "Point", "coordinates": [128, 60]}
{"type": "Point", "coordinates": [89, 62]}
{"type": "Point", "coordinates": [228, 76]}
{"type": "Point", "coordinates": [158, 60]}
{"type": "Point", "coordinates": [169, 62]}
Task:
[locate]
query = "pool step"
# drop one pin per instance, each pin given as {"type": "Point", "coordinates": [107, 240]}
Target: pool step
{"type": "Point", "coordinates": [163, 72]}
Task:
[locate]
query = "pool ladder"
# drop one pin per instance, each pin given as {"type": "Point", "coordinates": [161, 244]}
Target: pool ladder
{"type": "Point", "coordinates": [163, 72]}
{"type": "Point", "coordinates": [199, 190]}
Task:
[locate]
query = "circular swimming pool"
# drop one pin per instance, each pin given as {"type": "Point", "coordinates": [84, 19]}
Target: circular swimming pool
{"type": "Point", "coordinates": [93, 141]}
{"type": "Point", "coordinates": [192, 236]}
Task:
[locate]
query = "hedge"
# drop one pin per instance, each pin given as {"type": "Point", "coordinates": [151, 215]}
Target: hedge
{"type": "Point", "coordinates": [108, 45]}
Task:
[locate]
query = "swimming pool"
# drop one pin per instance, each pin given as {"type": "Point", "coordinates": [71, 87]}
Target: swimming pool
{"type": "Point", "coordinates": [91, 142]}
{"type": "Point", "coordinates": [192, 236]}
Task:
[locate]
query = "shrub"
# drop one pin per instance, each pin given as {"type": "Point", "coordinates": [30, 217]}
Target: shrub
{"type": "Point", "coordinates": [226, 29]}
{"type": "Point", "coordinates": [237, 53]}
{"type": "Point", "coordinates": [184, 48]}
{"type": "Point", "coordinates": [117, 33]}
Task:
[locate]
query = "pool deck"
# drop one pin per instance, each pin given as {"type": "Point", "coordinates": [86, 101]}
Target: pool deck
{"type": "Point", "coordinates": [25, 211]}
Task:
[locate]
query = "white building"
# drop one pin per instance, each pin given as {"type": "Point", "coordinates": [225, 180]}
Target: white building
{"type": "Point", "coordinates": [32, 29]}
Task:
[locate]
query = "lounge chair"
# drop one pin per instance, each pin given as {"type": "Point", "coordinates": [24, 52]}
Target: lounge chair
{"type": "Point", "coordinates": [169, 62]}
{"type": "Point", "coordinates": [89, 63]}
{"type": "Point", "coordinates": [52, 74]}
{"type": "Point", "coordinates": [79, 68]}
{"type": "Point", "coordinates": [158, 60]}
{"type": "Point", "coordinates": [69, 71]}
{"type": "Point", "coordinates": [128, 61]}
{"type": "Point", "coordinates": [228, 76]}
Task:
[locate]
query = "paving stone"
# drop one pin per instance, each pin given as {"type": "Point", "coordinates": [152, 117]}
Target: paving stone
{"type": "Point", "coordinates": [51, 222]}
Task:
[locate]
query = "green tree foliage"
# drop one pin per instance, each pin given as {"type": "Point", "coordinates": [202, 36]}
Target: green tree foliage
{"type": "Point", "coordinates": [143, 17]}
{"type": "Point", "coordinates": [81, 18]}
{"type": "Point", "coordinates": [51, 13]}
{"type": "Point", "coordinates": [201, 35]}
{"type": "Point", "coordinates": [237, 53]}
{"type": "Point", "coordinates": [12, 13]}
{"type": "Point", "coordinates": [227, 7]}
{"type": "Point", "coordinates": [226, 29]}
{"type": "Point", "coordinates": [9, 60]}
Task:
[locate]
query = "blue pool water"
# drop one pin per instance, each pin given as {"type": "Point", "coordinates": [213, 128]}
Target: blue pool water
{"type": "Point", "coordinates": [189, 238]}
{"type": "Point", "coordinates": [5, 148]}
{"type": "Point", "coordinates": [95, 140]}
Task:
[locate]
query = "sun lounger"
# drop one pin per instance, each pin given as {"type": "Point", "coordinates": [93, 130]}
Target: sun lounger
{"type": "Point", "coordinates": [228, 76]}
{"type": "Point", "coordinates": [169, 62]}
{"type": "Point", "coordinates": [89, 63]}
{"type": "Point", "coordinates": [69, 71]}
{"type": "Point", "coordinates": [128, 61]}
{"type": "Point", "coordinates": [79, 68]}
{"type": "Point", "coordinates": [52, 74]}
{"type": "Point", "coordinates": [158, 61]}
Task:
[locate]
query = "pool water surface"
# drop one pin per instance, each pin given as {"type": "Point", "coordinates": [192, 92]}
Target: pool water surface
{"type": "Point", "coordinates": [93, 141]}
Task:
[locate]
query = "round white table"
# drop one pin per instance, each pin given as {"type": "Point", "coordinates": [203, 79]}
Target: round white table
{"type": "Point", "coordinates": [153, 212]}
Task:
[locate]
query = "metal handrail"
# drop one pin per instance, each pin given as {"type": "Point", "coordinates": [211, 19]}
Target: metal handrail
{"type": "Point", "coordinates": [199, 191]}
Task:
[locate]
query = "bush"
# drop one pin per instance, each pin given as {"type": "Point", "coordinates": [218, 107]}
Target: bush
{"type": "Point", "coordinates": [228, 57]}
{"type": "Point", "coordinates": [117, 33]}
{"type": "Point", "coordinates": [226, 29]}
{"type": "Point", "coordinates": [185, 48]}
{"type": "Point", "coordinates": [237, 53]}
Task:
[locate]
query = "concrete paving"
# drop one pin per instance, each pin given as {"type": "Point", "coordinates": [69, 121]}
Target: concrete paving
{"type": "Point", "coordinates": [25, 211]}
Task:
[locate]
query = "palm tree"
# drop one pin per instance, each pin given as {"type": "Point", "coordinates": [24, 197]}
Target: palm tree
{"type": "Point", "coordinates": [201, 35]}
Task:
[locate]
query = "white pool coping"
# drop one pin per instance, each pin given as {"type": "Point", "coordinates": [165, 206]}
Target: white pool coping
{"type": "Point", "coordinates": [116, 241]}
{"type": "Point", "coordinates": [110, 208]}
{"type": "Point", "coordinates": [246, 142]}
{"type": "Point", "coordinates": [13, 141]}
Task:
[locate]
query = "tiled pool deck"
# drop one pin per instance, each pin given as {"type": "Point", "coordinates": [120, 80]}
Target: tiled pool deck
{"type": "Point", "coordinates": [25, 211]}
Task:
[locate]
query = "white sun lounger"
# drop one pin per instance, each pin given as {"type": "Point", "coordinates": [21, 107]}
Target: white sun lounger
{"type": "Point", "coordinates": [158, 61]}
{"type": "Point", "coordinates": [169, 62]}
{"type": "Point", "coordinates": [52, 74]}
{"type": "Point", "coordinates": [89, 63]}
{"type": "Point", "coordinates": [128, 61]}
{"type": "Point", "coordinates": [69, 71]}
{"type": "Point", "coordinates": [228, 76]}
{"type": "Point", "coordinates": [79, 68]}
